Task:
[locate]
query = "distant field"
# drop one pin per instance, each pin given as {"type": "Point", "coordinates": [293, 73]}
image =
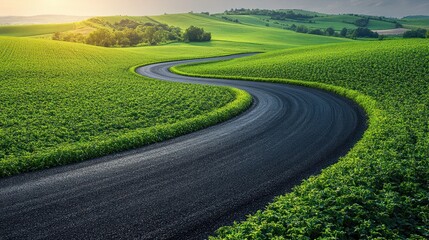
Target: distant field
{"type": "Point", "coordinates": [266, 38]}
{"type": "Point", "coordinates": [416, 22]}
{"type": "Point", "coordinates": [380, 189]}
{"type": "Point", "coordinates": [337, 22]}
{"type": "Point", "coordinates": [40, 19]}
{"type": "Point", "coordinates": [34, 30]}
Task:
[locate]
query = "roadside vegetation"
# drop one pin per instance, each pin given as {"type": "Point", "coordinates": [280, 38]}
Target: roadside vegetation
{"type": "Point", "coordinates": [380, 188]}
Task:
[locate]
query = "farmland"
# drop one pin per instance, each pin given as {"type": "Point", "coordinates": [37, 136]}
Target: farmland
{"type": "Point", "coordinates": [66, 102]}
{"type": "Point", "coordinates": [380, 189]}
{"type": "Point", "coordinates": [87, 103]}
{"type": "Point", "coordinates": [95, 84]}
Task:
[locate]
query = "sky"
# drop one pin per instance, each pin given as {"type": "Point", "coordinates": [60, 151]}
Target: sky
{"type": "Point", "coordinates": [389, 8]}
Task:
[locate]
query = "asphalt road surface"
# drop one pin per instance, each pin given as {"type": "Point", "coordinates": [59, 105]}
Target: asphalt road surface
{"type": "Point", "coordinates": [187, 187]}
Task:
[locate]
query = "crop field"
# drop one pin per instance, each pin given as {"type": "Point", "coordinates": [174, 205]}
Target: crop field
{"type": "Point", "coordinates": [35, 30]}
{"type": "Point", "coordinates": [64, 102]}
{"type": "Point", "coordinates": [380, 188]}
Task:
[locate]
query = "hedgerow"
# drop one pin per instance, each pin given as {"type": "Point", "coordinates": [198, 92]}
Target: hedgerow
{"type": "Point", "coordinates": [380, 189]}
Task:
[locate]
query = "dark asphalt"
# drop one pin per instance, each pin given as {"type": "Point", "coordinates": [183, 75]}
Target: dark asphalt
{"type": "Point", "coordinates": [187, 187]}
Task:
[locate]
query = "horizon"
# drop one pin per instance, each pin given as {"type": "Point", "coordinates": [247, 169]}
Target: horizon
{"type": "Point", "coordinates": [387, 8]}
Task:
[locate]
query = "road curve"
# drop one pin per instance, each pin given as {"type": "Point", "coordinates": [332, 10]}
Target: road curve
{"type": "Point", "coordinates": [187, 187]}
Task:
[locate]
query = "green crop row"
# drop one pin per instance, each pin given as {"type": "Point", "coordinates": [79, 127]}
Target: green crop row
{"type": "Point", "coordinates": [380, 189]}
{"type": "Point", "coordinates": [64, 102]}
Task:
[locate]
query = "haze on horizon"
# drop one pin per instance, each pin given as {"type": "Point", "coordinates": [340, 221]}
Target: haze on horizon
{"type": "Point", "coordinates": [389, 8]}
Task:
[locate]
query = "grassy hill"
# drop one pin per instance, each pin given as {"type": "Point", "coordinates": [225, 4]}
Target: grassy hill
{"type": "Point", "coordinates": [416, 22]}
{"type": "Point", "coordinates": [380, 189]}
{"type": "Point", "coordinates": [266, 38]}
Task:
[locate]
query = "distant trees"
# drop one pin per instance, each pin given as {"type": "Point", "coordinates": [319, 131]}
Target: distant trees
{"type": "Point", "coordinates": [273, 14]}
{"type": "Point", "coordinates": [343, 32]}
{"type": "Point", "coordinates": [196, 34]}
{"type": "Point", "coordinates": [127, 33]}
{"type": "Point", "coordinates": [363, 32]}
{"type": "Point", "coordinates": [362, 22]}
{"type": "Point", "coordinates": [330, 31]}
{"type": "Point", "coordinates": [101, 37]}
{"type": "Point", "coordinates": [416, 33]}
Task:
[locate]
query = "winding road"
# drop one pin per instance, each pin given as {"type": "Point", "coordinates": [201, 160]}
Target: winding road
{"type": "Point", "coordinates": [187, 187]}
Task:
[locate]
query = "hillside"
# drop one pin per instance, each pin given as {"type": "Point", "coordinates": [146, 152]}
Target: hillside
{"type": "Point", "coordinates": [260, 36]}
{"type": "Point", "coordinates": [380, 189]}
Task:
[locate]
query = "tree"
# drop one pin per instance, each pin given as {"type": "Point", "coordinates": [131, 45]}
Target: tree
{"type": "Point", "coordinates": [343, 32]}
{"type": "Point", "coordinates": [101, 37]}
{"type": "Point", "coordinates": [301, 29]}
{"type": "Point", "coordinates": [330, 31]}
{"type": "Point", "coordinates": [362, 22]}
{"type": "Point", "coordinates": [316, 32]}
{"type": "Point", "coordinates": [417, 33]}
{"type": "Point", "coordinates": [364, 32]}
{"type": "Point", "coordinates": [196, 34]}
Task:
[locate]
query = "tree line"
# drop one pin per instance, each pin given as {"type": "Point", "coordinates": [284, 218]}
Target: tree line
{"type": "Point", "coordinates": [273, 14]}
{"type": "Point", "coordinates": [128, 33]}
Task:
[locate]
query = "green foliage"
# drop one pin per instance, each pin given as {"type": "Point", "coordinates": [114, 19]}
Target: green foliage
{"type": "Point", "coordinates": [380, 189]}
{"type": "Point", "coordinates": [363, 32]}
{"type": "Point", "coordinates": [362, 22]}
{"type": "Point", "coordinates": [417, 33]}
{"type": "Point", "coordinates": [124, 33]}
{"type": "Point", "coordinates": [63, 102]}
{"type": "Point", "coordinates": [196, 34]}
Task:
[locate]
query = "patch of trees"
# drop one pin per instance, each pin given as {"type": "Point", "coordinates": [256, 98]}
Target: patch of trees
{"type": "Point", "coordinates": [273, 14]}
{"type": "Point", "coordinates": [416, 33]}
{"type": "Point", "coordinates": [348, 33]}
{"type": "Point", "coordinates": [358, 33]}
{"type": "Point", "coordinates": [362, 22]}
{"type": "Point", "coordinates": [196, 34]}
{"type": "Point", "coordinates": [230, 19]}
{"type": "Point", "coordinates": [128, 33]}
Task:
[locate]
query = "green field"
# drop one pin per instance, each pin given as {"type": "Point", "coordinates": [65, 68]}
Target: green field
{"type": "Point", "coordinates": [381, 188]}
{"type": "Point", "coordinates": [337, 22]}
{"type": "Point", "coordinates": [262, 37]}
{"type": "Point", "coordinates": [35, 30]}
{"type": "Point", "coordinates": [416, 22]}
{"type": "Point", "coordinates": [64, 102]}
